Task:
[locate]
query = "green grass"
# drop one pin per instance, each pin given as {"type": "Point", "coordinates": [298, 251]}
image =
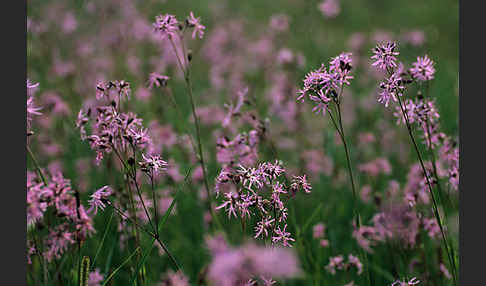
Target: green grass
{"type": "Point", "coordinates": [318, 39]}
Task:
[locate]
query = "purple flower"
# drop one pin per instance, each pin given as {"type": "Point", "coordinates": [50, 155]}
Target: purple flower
{"type": "Point", "coordinates": [157, 79]}
{"type": "Point", "coordinates": [282, 236]}
{"type": "Point", "coordinates": [194, 23]}
{"type": "Point", "coordinates": [229, 204]}
{"type": "Point", "coordinates": [391, 88]}
{"type": "Point", "coordinates": [318, 230]}
{"type": "Point", "coordinates": [177, 278]}
{"type": "Point", "coordinates": [263, 226]}
{"type": "Point", "coordinates": [31, 87]}
{"type": "Point", "coordinates": [31, 109]}
{"type": "Point", "coordinates": [95, 278]}
{"type": "Point", "coordinates": [423, 69]}
{"type": "Point", "coordinates": [354, 261]}
{"type": "Point", "coordinates": [319, 85]}
{"type": "Point", "coordinates": [336, 262]}
{"type": "Point", "coordinates": [240, 266]}
{"type": "Point", "coordinates": [279, 22]}
{"type": "Point", "coordinates": [300, 182]}
{"type": "Point", "coordinates": [341, 66]}
{"type": "Point", "coordinates": [413, 281]}
{"type": "Point", "coordinates": [99, 198]}
{"type": "Point", "coordinates": [166, 25]}
{"type": "Point", "coordinates": [152, 163]}
{"type": "Point", "coordinates": [330, 8]}
{"type": "Point", "coordinates": [58, 241]}
{"type": "Point", "coordinates": [384, 56]}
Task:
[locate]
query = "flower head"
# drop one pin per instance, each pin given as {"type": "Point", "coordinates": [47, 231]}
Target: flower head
{"type": "Point", "coordinates": [300, 182]}
{"type": "Point", "coordinates": [95, 278]}
{"type": "Point", "coordinates": [391, 88]}
{"type": "Point", "coordinates": [282, 236]}
{"type": "Point", "coordinates": [330, 8]}
{"type": "Point", "coordinates": [195, 23]}
{"type": "Point", "coordinates": [384, 56]}
{"type": "Point", "coordinates": [423, 69]}
{"type": "Point", "coordinates": [157, 79]}
{"type": "Point", "coordinates": [99, 198]}
{"type": "Point", "coordinates": [166, 26]}
{"type": "Point", "coordinates": [341, 67]}
{"type": "Point", "coordinates": [152, 163]}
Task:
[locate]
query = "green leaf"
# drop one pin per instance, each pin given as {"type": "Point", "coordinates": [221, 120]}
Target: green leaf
{"type": "Point", "coordinates": [103, 238]}
{"type": "Point", "coordinates": [311, 218]}
{"type": "Point", "coordinates": [142, 261]}
{"type": "Point", "coordinates": [120, 267]}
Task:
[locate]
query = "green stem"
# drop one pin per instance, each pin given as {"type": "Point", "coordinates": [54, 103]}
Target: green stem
{"type": "Point", "coordinates": [187, 79]}
{"type": "Point", "coordinates": [436, 211]}
{"type": "Point", "coordinates": [36, 165]}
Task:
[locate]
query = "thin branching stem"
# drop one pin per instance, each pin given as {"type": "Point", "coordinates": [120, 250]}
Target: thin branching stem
{"type": "Point", "coordinates": [188, 82]}
{"type": "Point", "coordinates": [426, 175]}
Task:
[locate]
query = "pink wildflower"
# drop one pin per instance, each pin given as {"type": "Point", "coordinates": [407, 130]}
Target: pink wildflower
{"type": "Point", "coordinates": [423, 69]}
{"type": "Point", "coordinates": [99, 198]}
{"type": "Point", "coordinates": [195, 23]}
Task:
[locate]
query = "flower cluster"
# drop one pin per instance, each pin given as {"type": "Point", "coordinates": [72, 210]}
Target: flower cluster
{"type": "Point", "coordinates": [112, 128]}
{"type": "Point", "coordinates": [57, 195]}
{"type": "Point", "coordinates": [449, 154]}
{"type": "Point", "coordinates": [398, 222]}
{"type": "Point", "coordinates": [113, 89]}
{"type": "Point", "coordinates": [167, 26]}
{"type": "Point", "coordinates": [258, 192]}
{"type": "Point", "coordinates": [422, 112]}
{"type": "Point", "coordinates": [337, 263]}
{"type": "Point", "coordinates": [391, 88]}
{"type": "Point", "coordinates": [323, 85]}
{"type": "Point", "coordinates": [249, 263]}
{"type": "Point", "coordinates": [319, 232]}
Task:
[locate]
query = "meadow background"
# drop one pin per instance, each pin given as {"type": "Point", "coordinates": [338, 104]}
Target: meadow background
{"type": "Point", "coordinates": [71, 45]}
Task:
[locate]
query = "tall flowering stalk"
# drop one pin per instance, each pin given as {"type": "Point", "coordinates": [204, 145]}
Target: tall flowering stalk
{"type": "Point", "coordinates": [122, 134]}
{"type": "Point", "coordinates": [393, 87]}
{"type": "Point", "coordinates": [168, 27]}
{"type": "Point", "coordinates": [324, 87]}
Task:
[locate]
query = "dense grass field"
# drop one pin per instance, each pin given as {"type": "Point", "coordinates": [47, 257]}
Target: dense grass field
{"type": "Point", "coordinates": [82, 54]}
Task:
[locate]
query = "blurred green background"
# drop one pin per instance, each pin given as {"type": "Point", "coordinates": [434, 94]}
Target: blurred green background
{"type": "Point", "coordinates": [318, 38]}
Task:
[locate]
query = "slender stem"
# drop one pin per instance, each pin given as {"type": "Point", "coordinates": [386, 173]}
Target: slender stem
{"type": "Point", "coordinates": [143, 203]}
{"type": "Point", "coordinates": [434, 167]}
{"type": "Point", "coordinates": [36, 165]}
{"type": "Point", "coordinates": [171, 257]}
{"type": "Point", "coordinates": [187, 79]}
{"type": "Point", "coordinates": [346, 151]}
{"type": "Point", "coordinates": [131, 220]}
{"type": "Point", "coordinates": [436, 211]}
{"type": "Point", "coordinates": [154, 198]}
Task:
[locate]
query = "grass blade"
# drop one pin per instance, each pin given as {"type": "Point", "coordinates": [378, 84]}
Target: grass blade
{"type": "Point", "coordinates": [311, 218]}
{"type": "Point", "coordinates": [103, 238]}
{"type": "Point", "coordinates": [120, 267]}
{"type": "Point", "coordinates": [142, 261]}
